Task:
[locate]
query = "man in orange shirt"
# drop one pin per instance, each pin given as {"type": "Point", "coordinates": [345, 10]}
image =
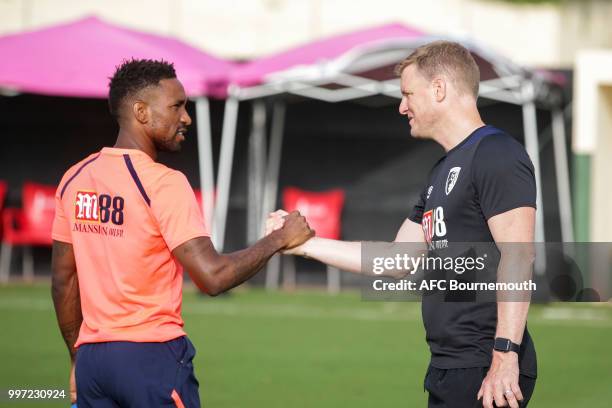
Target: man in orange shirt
{"type": "Point", "coordinates": [123, 224]}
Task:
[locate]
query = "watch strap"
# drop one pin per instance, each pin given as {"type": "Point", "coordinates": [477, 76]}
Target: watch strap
{"type": "Point", "coordinates": [505, 345]}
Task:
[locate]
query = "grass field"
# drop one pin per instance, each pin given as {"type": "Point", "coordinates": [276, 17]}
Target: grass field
{"type": "Point", "coordinates": [307, 349]}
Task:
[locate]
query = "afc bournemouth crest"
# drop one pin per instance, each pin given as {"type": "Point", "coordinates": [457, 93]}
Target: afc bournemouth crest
{"type": "Point", "coordinates": [451, 180]}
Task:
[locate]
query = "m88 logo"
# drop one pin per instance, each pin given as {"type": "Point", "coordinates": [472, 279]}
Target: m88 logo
{"type": "Point", "coordinates": [91, 207]}
{"type": "Point", "coordinates": [433, 224]}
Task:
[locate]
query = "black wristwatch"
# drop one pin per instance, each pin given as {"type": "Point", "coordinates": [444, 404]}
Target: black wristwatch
{"type": "Point", "coordinates": [505, 345]}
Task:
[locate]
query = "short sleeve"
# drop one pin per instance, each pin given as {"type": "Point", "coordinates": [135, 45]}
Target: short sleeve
{"type": "Point", "coordinates": [175, 207]}
{"type": "Point", "coordinates": [61, 224]}
{"type": "Point", "coordinates": [416, 215]}
{"type": "Point", "coordinates": [503, 176]}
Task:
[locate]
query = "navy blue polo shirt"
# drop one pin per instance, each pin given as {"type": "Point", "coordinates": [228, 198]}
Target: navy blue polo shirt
{"type": "Point", "coordinates": [488, 173]}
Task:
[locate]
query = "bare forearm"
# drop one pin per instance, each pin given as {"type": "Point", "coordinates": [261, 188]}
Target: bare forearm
{"type": "Point", "coordinates": [215, 273]}
{"type": "Point", "coordinates": [67, 302]}
{"type": "Point", "coordinates": [513, 308]}
{"type": "Point", "coordinates": [345, 255]}
{"type": "Point", "coordinates": [247, 262]}
{"type": "Point", "coordinates": [511, 320]}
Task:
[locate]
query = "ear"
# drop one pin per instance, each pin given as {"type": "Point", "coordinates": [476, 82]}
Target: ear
{"type": "Point", "coordinates": [140, 111]}
{"type": "Point", "coordinates": [439, 89]}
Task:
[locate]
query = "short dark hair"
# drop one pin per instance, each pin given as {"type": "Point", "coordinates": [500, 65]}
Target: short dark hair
{"type": "Point", "coordinates": [445, 57]}
{"type": "Point", "coordinates": [133, 76]}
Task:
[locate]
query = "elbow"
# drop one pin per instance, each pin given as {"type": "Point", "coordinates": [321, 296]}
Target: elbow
{"type": "Point", "coordinates": [519, 253]}
{"type": "Point", "coordinates": [213, 290]}
{"type": "Point", "coordinates": [529, 254]}
{"type": "Point", "coordinates": [209, 287]}
{"type": "Point", "coordinates": [59, 283]}
{"type": "Point", "coordinates": [218, 281]}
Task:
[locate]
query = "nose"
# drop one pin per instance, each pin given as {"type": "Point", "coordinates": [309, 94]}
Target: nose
{"type": "Point", "coordinates": [403, 106]}
{"type": "Point", "coordinates": [185, 118]}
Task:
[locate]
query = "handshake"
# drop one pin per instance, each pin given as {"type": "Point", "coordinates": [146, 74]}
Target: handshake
{"type": "Point", "coordinates": [292, 229]}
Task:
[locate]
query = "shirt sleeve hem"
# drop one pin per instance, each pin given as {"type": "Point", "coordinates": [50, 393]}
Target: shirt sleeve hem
{"type": "Point", "coordinates": [186, 238]}
{"type": "Point", "coordinates": [61, 238]}
{"type": "Point", "coordinates": [508, 208]}
{"type": "Point", "coordinates": [415, 218]}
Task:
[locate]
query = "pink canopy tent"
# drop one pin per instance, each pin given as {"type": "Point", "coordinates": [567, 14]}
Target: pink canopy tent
{"type": "Point", "coordinates": [351, 66]}
{"type": "Point", "coordinates": [327, 49]}
{"type": "Point", "coordinates": [367, 54]}
{"type": "Point", "coordinates": [77, 59]}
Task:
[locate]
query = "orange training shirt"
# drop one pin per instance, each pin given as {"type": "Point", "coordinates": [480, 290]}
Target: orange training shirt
{"type": "Point", "coordinates": [124, 213]}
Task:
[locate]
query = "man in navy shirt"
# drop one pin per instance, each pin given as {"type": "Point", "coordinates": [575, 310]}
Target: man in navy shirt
{"type": "Point", "coordinates": [482, 190]}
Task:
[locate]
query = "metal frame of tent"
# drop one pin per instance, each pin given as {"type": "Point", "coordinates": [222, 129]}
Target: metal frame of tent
{"type": "Point", "coordinates": [512, 85]}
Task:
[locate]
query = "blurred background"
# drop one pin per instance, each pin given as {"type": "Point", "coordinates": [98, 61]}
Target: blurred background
{"type": "Point", "coordinates": [294, 105]}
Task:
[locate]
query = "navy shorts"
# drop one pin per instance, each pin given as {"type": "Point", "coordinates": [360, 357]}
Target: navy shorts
{"type": "Point", "coordinates": [133, 375]}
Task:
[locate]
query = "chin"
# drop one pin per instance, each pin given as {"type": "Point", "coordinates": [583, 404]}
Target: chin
{"type": "Point", "coordinates": [174, 148]}
{"type": "Point", "coordinates": [419, 135]}
{"type": "Point", "coordinates": [169, 147]}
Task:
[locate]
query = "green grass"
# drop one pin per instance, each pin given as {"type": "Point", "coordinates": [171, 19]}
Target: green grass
{"type": "Point", "coordinates": [307, 349]}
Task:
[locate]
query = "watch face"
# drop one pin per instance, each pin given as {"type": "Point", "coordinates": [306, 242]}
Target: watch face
{"type": "Point", "coordinates": [502, 344]}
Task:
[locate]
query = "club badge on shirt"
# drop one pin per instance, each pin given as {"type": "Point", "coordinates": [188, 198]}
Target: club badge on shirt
{"type": "Point", "coordinates": [451, 180]}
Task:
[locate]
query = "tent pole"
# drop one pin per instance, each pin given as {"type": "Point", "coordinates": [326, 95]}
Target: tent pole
{"type": "Point", "coordinates": [530, 128]}
{"type": "Point", "coordinates": [562, 170]}
{"type": "Point", "coordinates": [205, 159]}
{"type": "Point", "coordinates": [257, 160]}
{"type": "Point", "coordinates": [228, 138]}
{"type": "Point", "coordinates": [271, 184]}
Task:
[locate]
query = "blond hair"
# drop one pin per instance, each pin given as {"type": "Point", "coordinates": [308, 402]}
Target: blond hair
{"type": "Point", "coordinates": [445, 57]}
